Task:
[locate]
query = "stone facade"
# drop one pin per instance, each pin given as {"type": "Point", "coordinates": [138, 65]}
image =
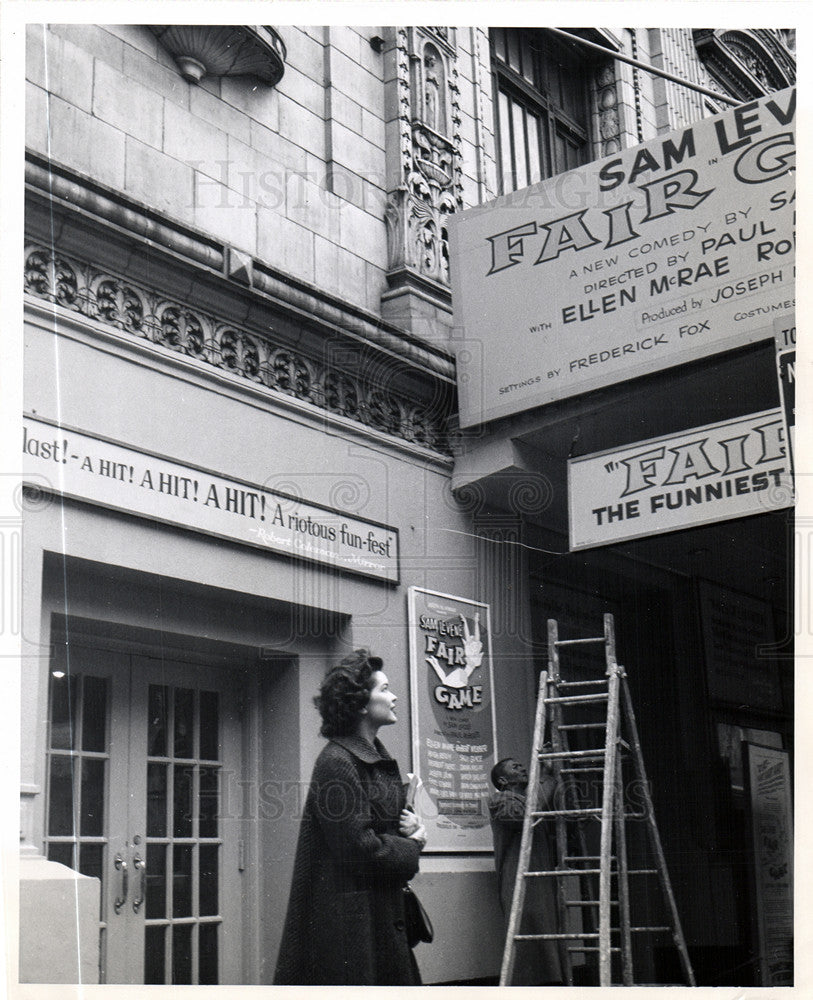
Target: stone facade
{"type": "Point", "coordinates": [258, 264]}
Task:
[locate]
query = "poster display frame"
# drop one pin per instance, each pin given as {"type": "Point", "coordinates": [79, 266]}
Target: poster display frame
{"type": "Point", "coordinates": [478, 841]}
{"type": "Point", "coordinates": [770, 854]}
{"type": "Point", "coordinates": [726, 688]}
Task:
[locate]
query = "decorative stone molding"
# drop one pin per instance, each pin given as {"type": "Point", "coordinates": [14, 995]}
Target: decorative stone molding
{"type": "Point", "coordinates": [610, 132]}
{"type": "Point", "coordinates": [54, 190]}
{"type": "Point", "coordinates": [224, 50]}
{"type": "Point", "coordinates": [363, 392]}
{"type": "Point", "coordinates": [609, 121]}
{"type": "Point", "coordinates": [426, 187]}
{"type": "Point", "coordinates": [747, 63]}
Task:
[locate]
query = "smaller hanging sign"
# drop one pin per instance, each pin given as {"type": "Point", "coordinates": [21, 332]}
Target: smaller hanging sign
{"type": "Point", "coordinates": [785, 338]}
{"type": "Point", "coordinates": [730, 469]}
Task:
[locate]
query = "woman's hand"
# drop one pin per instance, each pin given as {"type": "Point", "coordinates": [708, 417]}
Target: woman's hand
{"type": "Point", "coordinates": [420, 836]}
{"type": "Point", "coordinates": [408, 823]}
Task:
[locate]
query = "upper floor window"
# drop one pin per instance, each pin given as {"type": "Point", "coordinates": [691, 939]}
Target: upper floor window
{"type": "Point", "coordinates": [541, 106]}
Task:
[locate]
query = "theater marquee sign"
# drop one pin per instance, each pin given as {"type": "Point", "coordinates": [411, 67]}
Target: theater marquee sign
{"type": "Point", "coordinates": [667, 252]}
{"type": "Point", "coordinates": [731, 469]}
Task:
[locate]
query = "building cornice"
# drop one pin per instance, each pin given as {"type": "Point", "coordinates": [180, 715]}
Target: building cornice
{"type": "Point", "coordinates": [77, 194]}
{"type": "Point", "coordinates": [93, 252]}
{"type": "Point", "coordinates": [49, 316]}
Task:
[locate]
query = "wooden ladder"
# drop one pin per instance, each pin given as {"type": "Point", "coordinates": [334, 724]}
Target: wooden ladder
{"type": "Point", "coordinates": [606, 926]}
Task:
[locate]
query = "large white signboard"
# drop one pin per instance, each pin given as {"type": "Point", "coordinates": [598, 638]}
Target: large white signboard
{"type": "Point", "coordinates": [664, 253]}
{"type": "Point", "coordinates": [74, 464]}
{"type": "Point", "coordinates": [730, 469]}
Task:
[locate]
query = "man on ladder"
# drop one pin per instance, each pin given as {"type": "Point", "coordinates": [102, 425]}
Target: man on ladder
{"type": "Point", "coordinates": [538, 962]}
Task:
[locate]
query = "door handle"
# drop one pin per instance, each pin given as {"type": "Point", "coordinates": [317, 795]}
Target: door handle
{"type": "Point", "coordinates": [139, 864]}
{"type": "Point", "coordinates": [121, 865]}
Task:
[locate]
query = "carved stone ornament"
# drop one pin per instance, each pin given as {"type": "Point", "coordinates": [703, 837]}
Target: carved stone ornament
{"type": "Point", "coordinates": [430, 177]}
{"type": "Point", "coordinates": [747, 63]}
{"type": "Point", "coordinates": [360, 394]}
{"type": "Point", "coordinates": [224, 50]}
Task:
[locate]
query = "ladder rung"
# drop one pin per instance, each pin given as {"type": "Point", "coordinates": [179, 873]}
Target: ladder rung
{"type": "Point", "coordinates": [582, 936]}
{"type": "Point", "coordinates": [583, 725]}
{"type": "Point", "coordinates": [589, 947]}
{"type": "Point", "coordinates": [556, 937]}
{"type": "Point", "coordinates": [566, 812]}
{"type": "Point", "coordinates": [567, 754]}
{"type": "Point", "coordinates": [578, 642]}
{"type": "Point", "coordinates": [567, 871]}
{"type": "Point", "coordinates": [649, 930]}
{"type": "Point", "coordinates": [581, 770]}
{"type": "Point", "coordinates": [574, 699]}
{"type": "Point", "coordinates": [588, 902]}
{"type": "Point", "coordinates": [552, 872]}
{"type": "Point", "coordinates": [578, 684]}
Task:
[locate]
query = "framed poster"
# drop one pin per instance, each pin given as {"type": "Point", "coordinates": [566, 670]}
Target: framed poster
{"type": "Point", "coordinates": [768, 796]}
{"type": "Point", "coordinates": [736, 628]}
{"type": "Point", "coordinates": [454, 741]}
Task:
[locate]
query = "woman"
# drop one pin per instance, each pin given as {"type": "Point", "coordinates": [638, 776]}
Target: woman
{"type": "Point", "coordinates": [358, 845]}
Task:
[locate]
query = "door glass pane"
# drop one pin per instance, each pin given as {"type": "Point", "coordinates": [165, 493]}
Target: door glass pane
{"type": "Point", "coordinates": [184, 723]}
{"type": "Point", "coordinates": [182, 801]}
{"type": "Point", "coordinates": [94, 713]}
{"type": "Point", "coordinates": [90, 859]}
{"type": "Point", "coordinates": [156, 905]}
{"type": "Point", "coordinates": [77, 792]}
{"type": "Point", "coordinates": [182, 880]}
{"type": "Point", "coordinates": [183, 812]}
{"type": "Point", "coordinates": [157, 800]}
{"type": "Point", "coordinates": [62, 853]}
{"type": "Point", "coordinates": [208, 879]}
{"type": "Point", "coordinates": [182, 953]}
{"type": "Point", "coordinates": [157, 708]}
{"type": "Point", "coordinates": [91, 817]}
{"type": "Point", "coordinates": [63, 712]}
{"type": "Point", "coordinates": [60, 798]}
{"type": "Point", "coordinates": [90, 863]}
{"type": "Point", "coordinates": [209, 729]}
{"type": "Point", "coordinates": [154, 961]}
{"type": "Point", "coordinates": [209, 807]}
{"type": "Point", "coordinates": [207, 962]}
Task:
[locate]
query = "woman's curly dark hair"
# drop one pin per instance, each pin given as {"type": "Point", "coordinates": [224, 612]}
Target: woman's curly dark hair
{"type": "Point", "coordinates": [345, 691]}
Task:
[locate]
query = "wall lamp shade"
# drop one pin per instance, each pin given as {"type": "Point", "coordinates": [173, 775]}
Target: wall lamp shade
{"type": "Point", "coordinates": [224, 50]}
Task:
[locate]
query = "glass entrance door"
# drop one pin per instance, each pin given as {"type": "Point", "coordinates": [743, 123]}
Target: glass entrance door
{"type": "Point", "coordinates": [140, 753]}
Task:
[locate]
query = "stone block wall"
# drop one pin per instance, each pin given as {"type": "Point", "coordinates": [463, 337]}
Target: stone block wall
{"type": "Point", "coordinates": [293, 174]}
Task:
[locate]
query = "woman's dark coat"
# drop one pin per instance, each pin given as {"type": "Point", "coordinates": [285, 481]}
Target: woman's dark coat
{"type": "Point", "coordinates": [345, 922]}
